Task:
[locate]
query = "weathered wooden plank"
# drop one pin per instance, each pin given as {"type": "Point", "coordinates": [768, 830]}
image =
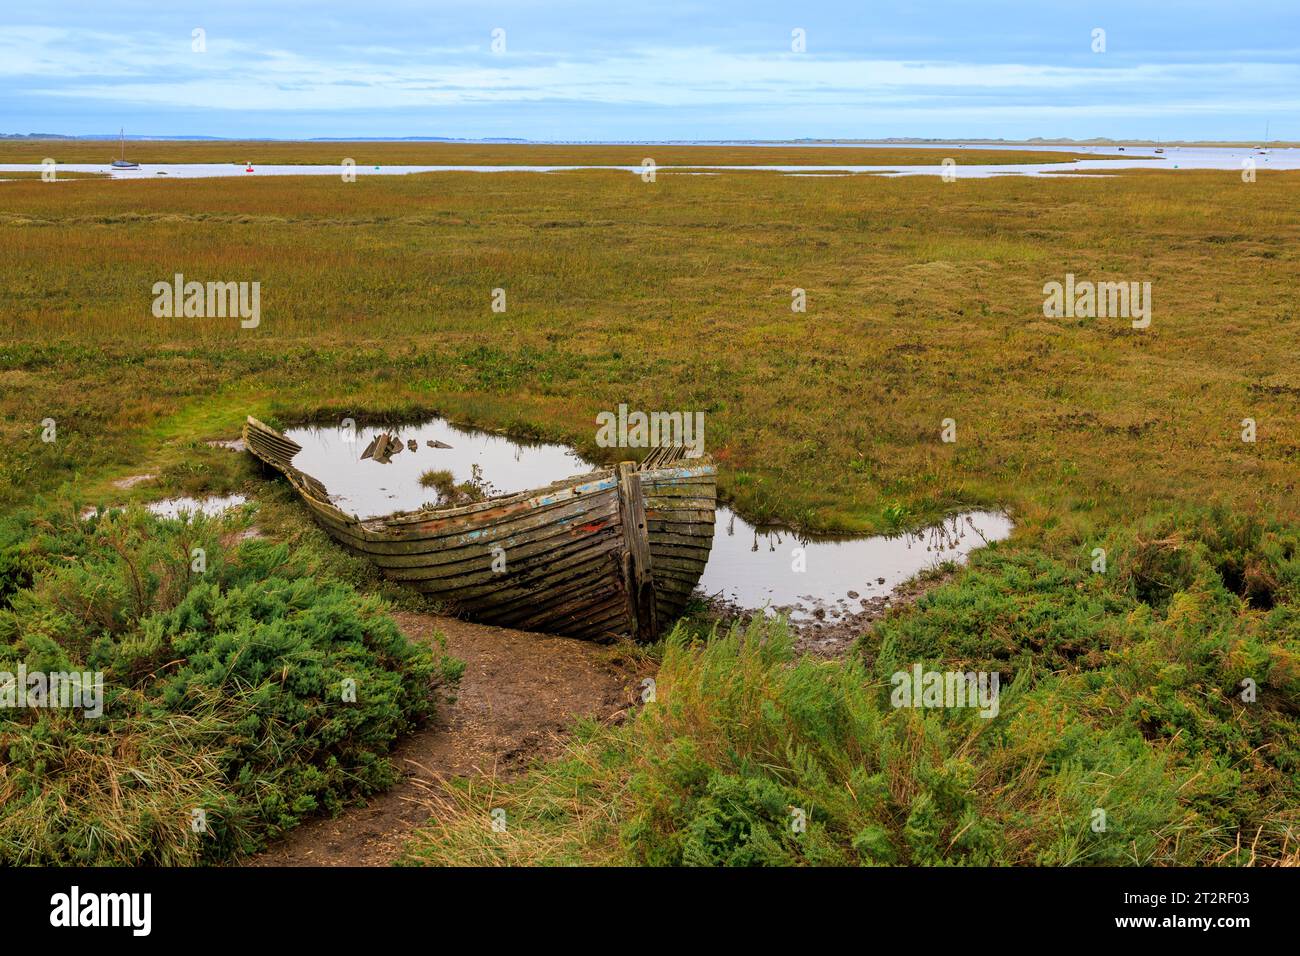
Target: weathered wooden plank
{"type": "Point", "coordinates": [677, 492]}
{"type": "Point", "coordinates": [572, 517]}
{"type": "Point", "coordinates": [516, 550]}
{"type": "Point", "coordinates": [578, 486]}
{"type": "Point", "coordinates": [663, 519]}
{"type": "Point", "coordinates": [654, 486]}
{"type": "Point", "coordinates": [525, 581]}
{"type": "Point", "coordinates": [673, 556]}
{"type": "Point", "coordinates": [667, 575]}
{"type": "Point", "coordinates": [598, 607]}
{"type": "Point", "coordinates": [485, 581]}
{"type": "Point", "coordinates": [663, 538]}
{"type": "Point", "coordinates": [590, 595]}
{"type": "Point", "coordinates": [576, 601]}
{"type": "Point", "coordinates": [637, 576]}
{"type": "Point", "coordinates": [378, 531]}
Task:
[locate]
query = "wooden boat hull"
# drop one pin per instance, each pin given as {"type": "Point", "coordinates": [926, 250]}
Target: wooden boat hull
{"type": "Point", "coordinates": [613, 553]}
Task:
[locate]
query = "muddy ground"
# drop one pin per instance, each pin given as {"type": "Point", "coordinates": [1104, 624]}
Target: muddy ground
{"type": "Point", "coordinates": [833, 637]}
{"type": "Point", "coordinates": [517, 700]}
{"type": "Point", "coordinates": [830, 631]}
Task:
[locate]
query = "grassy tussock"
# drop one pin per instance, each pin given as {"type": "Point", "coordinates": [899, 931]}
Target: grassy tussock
{"type": "Point", "coordinates": [740, 736]}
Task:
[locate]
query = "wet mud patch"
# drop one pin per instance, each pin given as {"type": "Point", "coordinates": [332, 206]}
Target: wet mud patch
{"type": "Point", "coordinates": [834, 638]}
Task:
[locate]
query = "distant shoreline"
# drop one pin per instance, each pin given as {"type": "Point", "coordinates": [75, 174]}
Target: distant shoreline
{"type": "Point", "coordinates": [490, 141]}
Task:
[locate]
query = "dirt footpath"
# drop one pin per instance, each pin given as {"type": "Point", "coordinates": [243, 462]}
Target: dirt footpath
{"type": "Point", "coordinates": [518, 698]}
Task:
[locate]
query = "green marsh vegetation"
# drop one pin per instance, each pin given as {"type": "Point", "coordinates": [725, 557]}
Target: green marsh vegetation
{"type": "Point", "coordinates": [226, 666]}
{"type": "Point", "coordinates": [924, 303]}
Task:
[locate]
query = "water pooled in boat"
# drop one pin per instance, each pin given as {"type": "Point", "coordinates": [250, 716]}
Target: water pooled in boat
{"type": "Point", "coordinates": [749, 567]}
{"type": "Point", "coordinates": [370, 488]}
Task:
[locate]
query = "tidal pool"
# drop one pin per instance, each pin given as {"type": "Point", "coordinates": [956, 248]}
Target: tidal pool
{"type": "Point", "coordinates": [832, 576]}
{"type": "Point", "coordinates": [177, 507]}
{"type": "Point", "coordinates": [211, 507]}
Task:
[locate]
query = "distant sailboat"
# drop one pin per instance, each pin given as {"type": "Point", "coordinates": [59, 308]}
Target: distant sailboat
{"type": "Point", "coordinates": [123, 162]}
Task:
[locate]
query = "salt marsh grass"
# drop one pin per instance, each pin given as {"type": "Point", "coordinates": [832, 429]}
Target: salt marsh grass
{"type": "Point", "coordinates": [924, 306]}
{"type": "Point", "coordinates": [924, 303]}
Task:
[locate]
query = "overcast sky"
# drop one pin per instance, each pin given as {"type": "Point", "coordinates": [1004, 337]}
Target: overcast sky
{"type": "Point", "coordinates": [664, 69]}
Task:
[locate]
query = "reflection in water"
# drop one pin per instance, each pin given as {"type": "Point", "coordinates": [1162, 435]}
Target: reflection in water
{"type": "Point", "coordinates": [175, 507]}
{"type": "Point", "coordinates": [369, 488]}
{"type": "Point", "coordinates": [832, 576]}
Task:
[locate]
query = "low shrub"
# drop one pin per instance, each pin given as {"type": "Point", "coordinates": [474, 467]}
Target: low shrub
{"type": "Point", "coordinates": [228, 713]}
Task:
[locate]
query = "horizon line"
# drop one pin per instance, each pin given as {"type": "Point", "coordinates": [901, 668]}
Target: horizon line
{"type": "Point", "coordinates": [519, 140]}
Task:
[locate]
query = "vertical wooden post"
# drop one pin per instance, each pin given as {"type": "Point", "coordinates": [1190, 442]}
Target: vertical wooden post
{"type": "Point", "coordinates": [636, 560]}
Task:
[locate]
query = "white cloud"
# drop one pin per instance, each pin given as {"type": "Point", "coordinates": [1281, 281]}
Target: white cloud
{"type": "Point", "coordinates": [48, 64]}
{"type": "Point", "coordinates": [162, 71]}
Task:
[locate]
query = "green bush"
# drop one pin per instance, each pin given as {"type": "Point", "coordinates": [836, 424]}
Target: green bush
{"type": "Point", "coordinates": [223, 692]}
{"type": "Point", "coordinates": [1191, 612]}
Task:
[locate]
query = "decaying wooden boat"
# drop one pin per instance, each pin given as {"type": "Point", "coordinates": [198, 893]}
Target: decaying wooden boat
{"type": "Point", "coordinates": [611, 553]}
